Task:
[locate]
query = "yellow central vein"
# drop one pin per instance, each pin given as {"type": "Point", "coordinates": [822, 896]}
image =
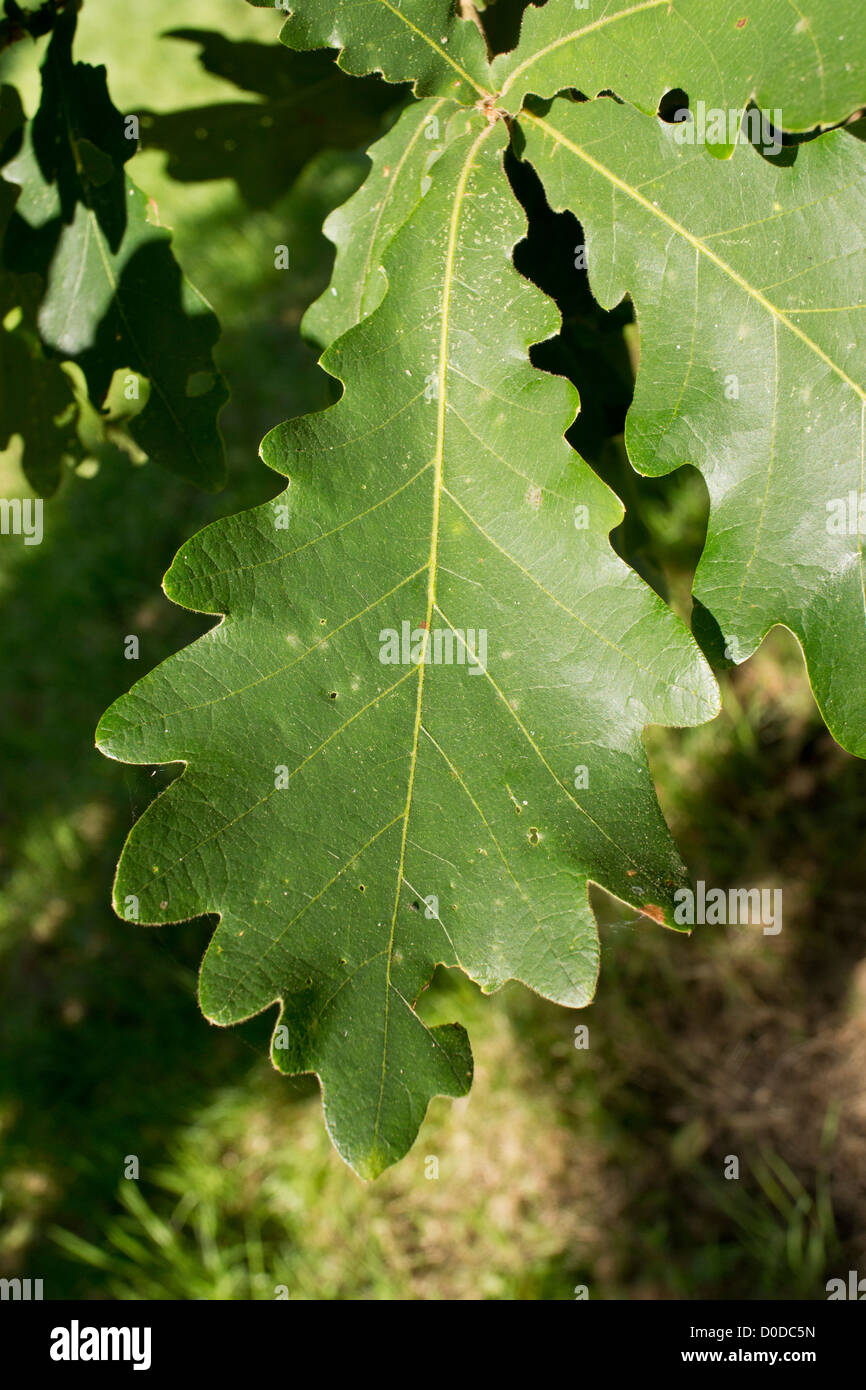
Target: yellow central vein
{"type": "Point", "coordinates": [438, 48]}
{"type": "Point", "coordinates": [579, 34]}
{"type": "Point", "coordinates": [447, 286]}
{"type": "Point", "coordinates": [699, 245]}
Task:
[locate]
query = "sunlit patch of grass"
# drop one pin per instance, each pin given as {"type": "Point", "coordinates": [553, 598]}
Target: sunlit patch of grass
{"type": "Point", "coordinates": [493, 1202]}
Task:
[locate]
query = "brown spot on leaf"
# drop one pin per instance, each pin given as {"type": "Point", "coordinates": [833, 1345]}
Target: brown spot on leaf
{"type": "Point", "coordinates": [533, 497]}
{"type": "Point", "coordinates": [741, 23]}
{"type": "Point", "coordinates": [653, 910]}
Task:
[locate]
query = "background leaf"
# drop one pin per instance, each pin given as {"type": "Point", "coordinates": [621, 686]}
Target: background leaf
{"type": "Point", "coordinates": [749, 283]}
{"type": "Point", "coordinates": [36, 393]}
{"type": "Point", "coordinates": [806, 59]}
{"type": "Point", "coordinates": [307, 105]}
{"type": "Point", "coordinates": [420, 41]}
{"type": "Point", "coordinates": [111, 295]}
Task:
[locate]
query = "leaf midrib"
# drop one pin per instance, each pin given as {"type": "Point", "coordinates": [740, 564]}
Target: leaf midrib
{"type": "Point", "coordinates": [700, 245]}
{"type": "Point", "coordinates": [437, 48]}
{"type": "Point", "coordinates": [575, 34]}
{"type": "Point", "coordinates": [447, 289]}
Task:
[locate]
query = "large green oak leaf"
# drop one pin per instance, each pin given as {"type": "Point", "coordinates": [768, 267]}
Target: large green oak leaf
{"type": "Point", "coordinates": [749, 286]}
{"type": "Point", "coordinates": [805, 59]}
{"type": "Point", "coordinates": [425, 42]}
{"type": "Point", "coordinates": [415, 737]}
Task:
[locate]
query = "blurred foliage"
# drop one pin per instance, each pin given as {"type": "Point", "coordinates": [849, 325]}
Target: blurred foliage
{"type": "Point", "coordinates": [88, 277]}
{"type": "Point", "coordinates": [307, 105]}
{"type": "Point", "coordinates": [565, 1166]}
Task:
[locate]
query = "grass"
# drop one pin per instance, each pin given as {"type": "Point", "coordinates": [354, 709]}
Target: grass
{"type": "Point", "coordinates": [565, 1166]}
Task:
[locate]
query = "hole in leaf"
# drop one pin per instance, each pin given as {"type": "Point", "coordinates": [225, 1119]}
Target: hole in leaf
{"type": "Point", "coordinates": [673, 106]}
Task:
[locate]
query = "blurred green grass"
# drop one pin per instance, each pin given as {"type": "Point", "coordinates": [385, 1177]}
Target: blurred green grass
{"type": "Point", "coordinates": [564, 1167]}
